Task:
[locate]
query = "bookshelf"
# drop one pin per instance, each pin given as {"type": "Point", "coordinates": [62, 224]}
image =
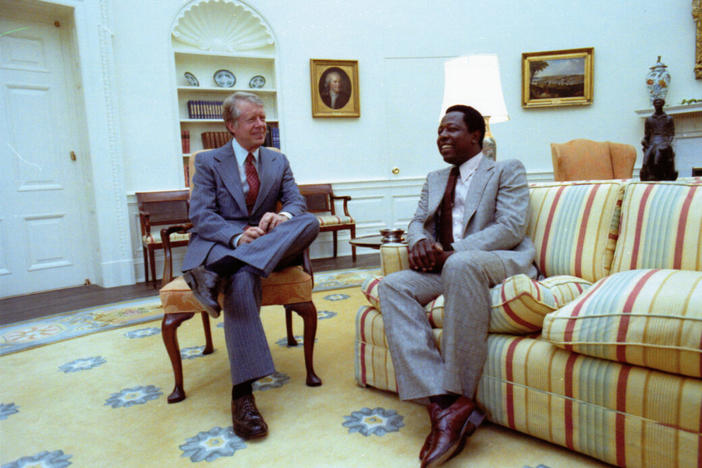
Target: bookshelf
{"type": "Point", "coordinates": [236, 39]}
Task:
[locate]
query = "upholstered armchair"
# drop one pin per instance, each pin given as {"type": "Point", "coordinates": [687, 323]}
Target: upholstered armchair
{"type": "Point", "coordinates": [583, 159]}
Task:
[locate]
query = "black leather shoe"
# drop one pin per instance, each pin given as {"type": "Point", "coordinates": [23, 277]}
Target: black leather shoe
{"type": "Point", "coordinates": [205, 287]}
{"type": "Point", "coordinates": [246, 420]}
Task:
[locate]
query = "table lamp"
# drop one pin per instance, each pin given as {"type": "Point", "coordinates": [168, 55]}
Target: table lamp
{"type": "Point", "coordinates": [475, 81]}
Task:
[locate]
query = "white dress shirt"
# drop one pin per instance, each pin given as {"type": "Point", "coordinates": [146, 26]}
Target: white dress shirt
{"type": "Point", "coordinates": [466, 171]}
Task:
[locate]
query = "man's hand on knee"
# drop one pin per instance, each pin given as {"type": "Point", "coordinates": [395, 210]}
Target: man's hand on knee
{"type": "Point", "coordinates": [427, 256]}
{"type": "Point", "coordinates": [270, 221]}
{"type": "Point", "coordinates": [250, 234]}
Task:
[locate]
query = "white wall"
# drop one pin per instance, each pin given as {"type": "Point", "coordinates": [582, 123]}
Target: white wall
{"type": "Point", "coordinates": [401, 47]}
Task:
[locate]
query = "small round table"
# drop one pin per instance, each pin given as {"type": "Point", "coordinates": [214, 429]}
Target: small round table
{"type": "Point", "coordinates": [373, 241]}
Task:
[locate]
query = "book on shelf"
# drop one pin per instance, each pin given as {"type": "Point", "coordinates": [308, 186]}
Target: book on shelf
{"type": "Point", "coordinates": [214, 139]}
{"type": "Point", "coordinates": [275, 136]}
{"type": "Point", "coordinates": [198, 109]}
{"type": "Point", "coordinates": [186, 171]}
{"type": "Point", "coordinates": [185, 140]}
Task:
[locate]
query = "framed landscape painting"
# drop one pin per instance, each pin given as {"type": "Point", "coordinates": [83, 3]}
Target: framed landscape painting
{"type": "Point", "coordinates": [557, 78]}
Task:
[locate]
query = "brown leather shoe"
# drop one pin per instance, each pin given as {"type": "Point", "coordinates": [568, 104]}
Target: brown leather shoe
{"type": "Point", "coordinates": [205, 287]}
{"type": "Point", "coordinates": [452, 427]}
{"type": "Point", "coordinates": [433, 410]}
{"type": "Point", "coordinates": [247, 421]}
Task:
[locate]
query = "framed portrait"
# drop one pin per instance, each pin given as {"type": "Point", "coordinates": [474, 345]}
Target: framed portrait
{"type": "Point", "coordinates": [557, 78]}
{"type": "Point", "coordinates": [334, 86]}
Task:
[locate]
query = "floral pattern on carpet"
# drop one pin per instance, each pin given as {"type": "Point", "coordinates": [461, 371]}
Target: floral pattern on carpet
{"type": "Point", "coordinates": [213, 444]}
{"type": "Point", "coordinates": [275, 380]}
{"type": "Point", "coordinates": [8, 409]}
{"type": "Point", "coordinates": [325, 314]}
{"type": "Point", "coordinates": [342, 278]}
{"type": "Point", "coordinates": [82, 364]}
{"type": "Point", "coordinates": [55, 459]}
{"type": "Point", "coordinates": [376, 421]}
{"type": "Point", "coordinates": [143, 332]}
{"type": "Point", "coordinates": [192, 352]}
{"type": "Point", "coordinates": [133, 396]}
{"type": "Point", "coordinates": [336, 297]}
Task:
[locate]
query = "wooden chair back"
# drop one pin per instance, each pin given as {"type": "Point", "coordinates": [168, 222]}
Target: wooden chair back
{"type": "Point", "coordinates": [162, 208]}
{"type": "Point", "coordinates": [319, 198]}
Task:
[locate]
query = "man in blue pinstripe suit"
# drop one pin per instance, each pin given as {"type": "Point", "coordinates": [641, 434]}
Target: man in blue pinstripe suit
{"type": "Point", "coordinates": [238, 238]}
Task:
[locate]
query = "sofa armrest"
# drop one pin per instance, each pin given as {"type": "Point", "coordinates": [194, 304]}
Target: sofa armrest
{"type": "Point", "coordinates": [393, 257]}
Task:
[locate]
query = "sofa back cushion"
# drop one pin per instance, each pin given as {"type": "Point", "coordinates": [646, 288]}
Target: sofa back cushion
{"type": "Point", "coordinates": [650, 318]}
{"type": "Point", "coordinates": [574, 227]}
{"type": "Point", "coordinates": [660, 226]}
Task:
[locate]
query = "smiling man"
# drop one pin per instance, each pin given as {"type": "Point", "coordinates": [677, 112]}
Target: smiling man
{"type": "Point", "coordinates": [238, 237]}
{"type": "Point", "coordinates": [467, 235]}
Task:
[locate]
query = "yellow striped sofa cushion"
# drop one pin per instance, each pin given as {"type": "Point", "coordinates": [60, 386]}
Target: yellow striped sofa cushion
{"type": "Point", "coordinates": [519, 304]}
{"type": "Point", "coordinates": [332, 220]}
{"type": "Point", "coordinates": [623, 415]}
{"type": "Point", "coordinates": [660, 226]}
{"type": "Point", "coordinates": [574, 227]}
{"type": "Point", "coordinates": [650, 318]}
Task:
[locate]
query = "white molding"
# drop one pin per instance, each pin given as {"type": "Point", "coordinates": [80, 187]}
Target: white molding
{"type": "Point", "coordinates": [673, 110]}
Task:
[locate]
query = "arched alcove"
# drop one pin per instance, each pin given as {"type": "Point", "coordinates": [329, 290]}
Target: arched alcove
{"type": "Point", "coordinates": [219, 47]}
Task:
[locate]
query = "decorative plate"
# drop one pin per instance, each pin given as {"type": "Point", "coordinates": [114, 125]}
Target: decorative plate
{"type": "Point", "coordinates": [257, 82]}
{"type": "Point", "coordinates": [190, 78]}
{"type": "Point", "coordinates": [224, 78]}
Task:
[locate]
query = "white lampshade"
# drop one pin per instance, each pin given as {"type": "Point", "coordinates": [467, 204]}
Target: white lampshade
{"type": "Point", "coordinates": [475, 81]}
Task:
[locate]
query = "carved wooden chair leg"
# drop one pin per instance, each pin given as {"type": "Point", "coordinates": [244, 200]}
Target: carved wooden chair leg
{"type": "Point", "coordinates": [209, 347]}
{"type": "Point", "coordinates": [152, 263]}
{"type": "Point", "coordinates": [308, 312]}
{"type": "Point", "coordinates": [353, 247]}
{"type": "Point", "coordinates": [146, 265]}
{"type": "Point", "coordinates": [335, 236]}
{"type": "Point", "coordinates": [289, 327]}
{"type": "Point", "coordinates": [169, 331]}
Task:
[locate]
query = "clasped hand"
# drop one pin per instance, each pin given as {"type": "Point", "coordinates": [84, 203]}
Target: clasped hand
{"type": "Point", "coordinates": [428, 256]}
{"type": "Point", "coordinates": [268, 222]}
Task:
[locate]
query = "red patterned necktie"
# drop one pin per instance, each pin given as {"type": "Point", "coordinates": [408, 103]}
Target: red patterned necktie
{"type": "Point", "coordinates": [446, 214]}
{"type": "Point", "coordinates": [252, 180]}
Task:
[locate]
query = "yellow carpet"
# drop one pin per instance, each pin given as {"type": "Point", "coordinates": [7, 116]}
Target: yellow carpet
{"type": "Point", "coordinates": [100, 400]}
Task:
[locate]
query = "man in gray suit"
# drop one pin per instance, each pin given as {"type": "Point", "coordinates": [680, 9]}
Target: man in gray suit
{"type": "Point", "coordinates": [237, 238]}
{"type": "Point", "coordinates": [467, 235]}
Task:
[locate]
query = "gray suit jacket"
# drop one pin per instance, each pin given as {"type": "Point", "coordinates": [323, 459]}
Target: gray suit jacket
{"type": "Point", "coordinates": [495, 213]}
{"type": "Point", "coordinates": [217, 204]}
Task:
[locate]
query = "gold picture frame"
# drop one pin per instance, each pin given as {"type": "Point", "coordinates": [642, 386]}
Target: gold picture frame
{"type": "Point", "coordinates": [557, 78]}
{"type": "Point", "coordinates": [328, 76]}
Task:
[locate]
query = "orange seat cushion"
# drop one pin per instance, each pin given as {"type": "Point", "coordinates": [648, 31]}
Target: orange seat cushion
{"type": "Point", "coordinates": [288, 286]}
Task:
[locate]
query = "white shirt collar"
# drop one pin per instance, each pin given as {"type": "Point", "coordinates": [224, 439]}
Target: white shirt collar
{"type": "Point", "coordinates": [470, 166]}
{"type": "Point", "coordinates": [241, 153]}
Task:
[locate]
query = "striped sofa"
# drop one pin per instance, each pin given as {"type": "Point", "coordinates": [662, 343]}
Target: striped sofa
{"type": "Point", "coordinates": [603, 353]}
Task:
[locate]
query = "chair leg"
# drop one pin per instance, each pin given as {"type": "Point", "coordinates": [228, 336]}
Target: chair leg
{"type": "Point", "coordinates": [308, 312]}
{"type": "Point", "coordinates": [353, 247]}
{"type": "Point", "coordinates": [334, 236]}
{"type": "Point", "coordinates": [169, 331]}
{"type": "Point", "coordinates": [209, 347]}
{"type": "Point", "coordinates": [146, 265]}
{"type": "Point", "coordinates": [289, 327]}
{"type": "Point", "coordinates": [152, 263]}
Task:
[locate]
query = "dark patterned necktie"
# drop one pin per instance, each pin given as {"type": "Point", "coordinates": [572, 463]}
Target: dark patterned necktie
{"type": "Point", "coordinates": [446, 213]}
{"type": "Point", "coordinates": [252, 180]}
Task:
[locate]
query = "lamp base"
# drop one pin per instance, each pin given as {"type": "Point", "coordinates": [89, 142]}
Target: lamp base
{"type": "Point", "coordinates": [489, 143]}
